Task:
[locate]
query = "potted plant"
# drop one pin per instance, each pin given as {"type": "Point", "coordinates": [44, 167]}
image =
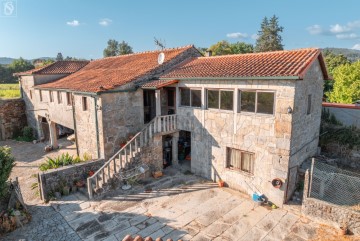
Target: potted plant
{"type": "Point", "coordinates": [221, 183]}
{"type": "Point", "coordinates": [343, 228]}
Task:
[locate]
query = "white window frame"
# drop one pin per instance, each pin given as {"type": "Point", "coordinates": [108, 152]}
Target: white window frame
{"type": "Point", "coordinates": [256, 100]}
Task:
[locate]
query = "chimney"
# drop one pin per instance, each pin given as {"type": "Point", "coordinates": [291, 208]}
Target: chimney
{"type": "Point", "coordinates": [208, 53]}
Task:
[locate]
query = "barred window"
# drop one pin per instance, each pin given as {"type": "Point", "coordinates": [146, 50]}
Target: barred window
{"type": "Point", "coordinates": [240, 160]}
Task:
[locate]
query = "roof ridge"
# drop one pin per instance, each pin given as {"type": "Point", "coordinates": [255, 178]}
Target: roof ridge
{"type": "Point", "coordinates": [259, 53]}
{"type": "Point", "coordinates": [146, 52]}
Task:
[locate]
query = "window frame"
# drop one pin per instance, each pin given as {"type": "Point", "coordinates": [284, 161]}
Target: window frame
{"type": "Point", "coordinates": [68, 99]}
{"type": "Point", "coordinates": [219, 98]}
{"type": "Point", "coordinates": [309, 105]}
{"type": "Point", "coordinates": [190, 101]}
{"type": "Point", "coordinates": [51, 96]}
{"type": "Point", "coordinates": [240, 170]}
{"type": "Point", "coordinates": [59, 97]}
{"type": "Point", "coordinates": [40, 95]}
{"type": "Point", "coordinates": [84, 103]}
{"type": "Point", "coordinates": [256, 101]}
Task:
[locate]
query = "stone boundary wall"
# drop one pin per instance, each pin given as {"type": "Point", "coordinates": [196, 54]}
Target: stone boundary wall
{"type": "Point", "coordinates": [52, 180]}
{"type": "Point", "coordinates": [347, 114]}
{"type": "Point", "coordinates": [12, 117]}
{"type": "Point", "coordinates": [329, 213]}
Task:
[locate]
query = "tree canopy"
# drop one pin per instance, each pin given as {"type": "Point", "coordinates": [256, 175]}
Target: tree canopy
{"type": "Point", "coordinates": [20, 65]}
{"type": "Point", "coordinates": [59, 57]}
{"type": "Point", "coordinates": [269, 38]}
{"type": "Point", "coordinates": [346, 85]}
{"type": "Point", "coordinates": [115, 48]}
{"type": "Point", "coordinates": [224, 47]}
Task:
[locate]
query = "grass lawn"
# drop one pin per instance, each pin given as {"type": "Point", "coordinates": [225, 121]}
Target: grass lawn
{"type": "Point", "coordinates": [9, 91]}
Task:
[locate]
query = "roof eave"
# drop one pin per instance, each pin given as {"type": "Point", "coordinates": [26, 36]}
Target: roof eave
{"type": "Point", "coordinates": [237, 78]}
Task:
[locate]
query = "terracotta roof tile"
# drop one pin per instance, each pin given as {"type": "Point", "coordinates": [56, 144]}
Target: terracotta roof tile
{"type": "Point", "coordinates": [58, 67]}
{"type": "Point", "coordinates": [268, 64]}
{"type": "Point", "coordinates": [109, 73]}
{"type": "Point", "coordinates": [158, 83]}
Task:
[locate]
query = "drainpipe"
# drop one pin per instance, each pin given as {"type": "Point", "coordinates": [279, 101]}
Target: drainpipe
{"type": "Point", "coordinates": [74, 119]}
{"type": "Point", "coordinates": [97, 128]}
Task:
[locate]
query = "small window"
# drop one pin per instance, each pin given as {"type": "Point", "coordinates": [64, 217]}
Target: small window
{"type": "Point", "coordinates": [30, 93]}
{"type": "Point", "coordinates": [256, 101]}
{"type": "Point", "coordinates": [308, 111]}
{"type": "Point", "coordinates": [59, 97]}
{"type": "Point", "coordinates": [220, 99]}
{"type": "Point", "coordinates": [68, 98]}
{"type": "Point", "coordinates": [40, 95]}
{"type": "Point", "coordinates": [51, 96]}
{"type": "Point", "coordinates": [84, 103]}
{"type": "Point", "coordinates": [190, 97]}
{"type": "Point", "coordinates": [240, 160]}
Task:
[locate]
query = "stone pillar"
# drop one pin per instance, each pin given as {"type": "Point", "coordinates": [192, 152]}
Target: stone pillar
{"type": "Point", "coordinates": [53, 135]}
{"type": "Point", "coordinates": [177, 98]}
{"type": "Point", "coordinates": [175, 139]}
{"type": "Point", "coordinates": [158, 102]}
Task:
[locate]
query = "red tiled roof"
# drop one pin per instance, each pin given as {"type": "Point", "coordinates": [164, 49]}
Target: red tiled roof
{"type": "Point", "coordinates": [288, 63]}
{"type": "Point", "coordinates": [158, 83]}
{"type": "Point", "coordinates": [343, 106]}
{"type": "Point", "coordinates": [109, 73]}
{"type": "Point", "coordinates": [58, 67]}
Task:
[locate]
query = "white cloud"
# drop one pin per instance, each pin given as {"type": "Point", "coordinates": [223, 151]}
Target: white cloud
{"type": "Point", "coordinates": [337, 28]}
{"type": "Point", "coordinates": [105, 22]}
{"type": "Point", "coordinates": [356, 46]}
{"type": "Point", "coordinates": [237, 35]}
{"type": "Point", "coordinates": [254, 36]}
{"type": "Point", "coordinates": [354, 24]}
{"type": "Point", "coordinates": [347, 36]}
{"type": "Point", "coordinates": [315, 29]}
{"type": "Point", "coordinates": [73, 23]}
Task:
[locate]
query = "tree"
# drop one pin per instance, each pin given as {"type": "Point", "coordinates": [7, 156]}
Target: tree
{"type": "Point", "coordinates": [269, 36]}
{"type": "Point", "coordinates": [20, 65]}
{"type": "Point", "coordinates": [6, 75]}
{"type": "Point", "coordinates": [125, 48]}
{"type": "Point", "coordinates": [112, 49]}
{"type": "Point", "coordinates": [221, 48]}
{"type": "Point", "coordinates": [6, 165]}
{"type": "Point", "coordinates": [332, 61]}
{"type": "Point", "coordinates": [59, 57]}
{"type": "Point", "coordinates": [347, 84]}
{"type": "Point", "coordinates": [241, 48]}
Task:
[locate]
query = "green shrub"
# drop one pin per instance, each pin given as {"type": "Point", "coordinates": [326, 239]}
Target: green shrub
{"type": "Point", "coordinates": [6, 165]}
{"type": "Point", "coordinates": [27, 134]}
{"type": "Point", "coordinates": [63, 160]}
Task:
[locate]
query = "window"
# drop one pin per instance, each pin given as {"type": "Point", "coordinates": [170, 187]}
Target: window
{"type": "Point", "coordinates": [308, 111]}
{"type": "Point", "coordinates": [257, 101]}
{"type": "Point", "coordinates": [51, 96]}
{"type": "Point", "coordinates": [220, 99]}
{"type": "Point", "coordinates": [240, 160]}
{"type": "Point", "coordinates": [68, 98]}
{"type": "Point", "coordinates": [59, 97]}
{"type": "Point", "coordinates": [190, 97]}
{"type": "Point", "coordinates": [40, 94]}
{"type": "Point", "coordinates": [84, 103]}
{"type": "Point", "coordinates": [30, 92]}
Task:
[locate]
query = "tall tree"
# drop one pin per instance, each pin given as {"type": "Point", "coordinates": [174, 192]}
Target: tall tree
{"type": "Point", "coordinates": [112, 49]}
{"type": "Point", "coordinates": [59, 57]}
{"type": "Point", "coordinates": [125, 48]}
{"type": "Point", "coordinates": [20, 65]}
{"type": "Point", "coordinates": [347, 84]}
{"type": "Point", "coordinates": [269, 36]}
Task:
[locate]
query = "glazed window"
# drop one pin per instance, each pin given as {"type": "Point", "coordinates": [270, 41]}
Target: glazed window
{"type": "Point", "coordinates": [256, 101]}
{"type": "Point", "coordinates": [308, 111]}
{"type": "Point", "coordinates": [51, 96]}
{"type": "Point", "coordinates": [68, 98]}
{"type": "Point", "coordinates": [220, 99]}
{"type": "Point", "coordinates": [240, 160]}
{"type": "Point", "coordinates": [190, 97]}
{"type": "Point", "coordinates": [84, 103]}
{"type": "Point", "coordinates": [59, 97]}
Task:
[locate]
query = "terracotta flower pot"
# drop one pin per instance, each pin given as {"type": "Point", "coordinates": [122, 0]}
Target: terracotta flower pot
{"type": "Point", "coordinates": [221, 183]}
{"type": "Point", "coordinates": [343, 231]}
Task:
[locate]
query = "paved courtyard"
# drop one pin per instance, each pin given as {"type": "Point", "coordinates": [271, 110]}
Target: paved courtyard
{"type": "Point", "coordinates": [201, 211]}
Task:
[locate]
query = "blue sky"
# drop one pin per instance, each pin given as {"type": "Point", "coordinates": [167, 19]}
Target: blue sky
{"type": "Point", "coordinates": [81, 28]}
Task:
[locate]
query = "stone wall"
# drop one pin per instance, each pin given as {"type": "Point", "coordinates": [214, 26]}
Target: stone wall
{"type": "Point", "coordinates": [12, 117]}
{"type": "Point", "coordinates": [328, 213]}
{"type": "Point", "coordinates": [152, 154]}
{"type": "Point", "coordinates": [53, 180]}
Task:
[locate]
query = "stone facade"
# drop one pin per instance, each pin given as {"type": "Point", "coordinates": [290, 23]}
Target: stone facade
{"type": "Point", "coordinates": [152, 154]}
{"type": "Point", "coordinates": [269, 137]}
{"type": "Point", "coordinates": [328, 213]}
{"type": "Point", "coordinates": [53, 180]}
{"type": "Point", "coordinates": [12, 117]}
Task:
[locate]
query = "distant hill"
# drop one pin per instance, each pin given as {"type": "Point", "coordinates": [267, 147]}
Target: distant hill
{"type": "Point", "coordinates": [351, 54]}
{"type": "Point", "coordinates": [6, 60]}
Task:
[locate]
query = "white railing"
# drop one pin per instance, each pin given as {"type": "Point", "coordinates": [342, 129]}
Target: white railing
{"type": "Point", "coordinates": [125, 156]}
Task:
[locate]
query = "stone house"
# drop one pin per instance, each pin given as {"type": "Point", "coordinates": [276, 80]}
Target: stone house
{"type": "Point", "coordinates": [249, 120]}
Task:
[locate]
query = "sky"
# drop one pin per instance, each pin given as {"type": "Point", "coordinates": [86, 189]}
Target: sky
{"type": "Point", "coordinates": [79, 28]}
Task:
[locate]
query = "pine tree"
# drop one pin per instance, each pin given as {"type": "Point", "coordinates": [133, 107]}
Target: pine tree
{"type": "Point", "coordinates": [59, 57]}
{"type": "Point", "coordinates": [269, 36]}
{"type": "Point", "coordinates": [125, 48]}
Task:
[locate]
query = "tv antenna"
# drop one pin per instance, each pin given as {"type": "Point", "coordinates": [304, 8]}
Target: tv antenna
{"type": "Point", "coordinates": [160, 43]}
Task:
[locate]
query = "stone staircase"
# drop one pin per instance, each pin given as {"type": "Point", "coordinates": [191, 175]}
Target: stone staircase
{"type": "Point", "coordinates": [126, 163]}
